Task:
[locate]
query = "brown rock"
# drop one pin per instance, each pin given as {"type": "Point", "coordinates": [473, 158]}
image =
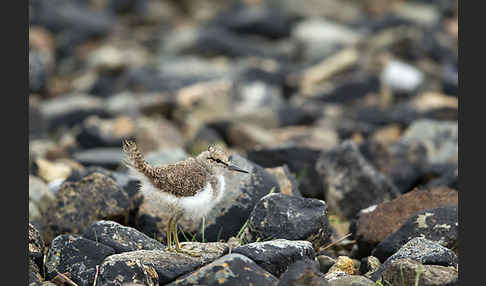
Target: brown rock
{"type": "Point", "coordinates": [286, 180]}
{"type": "Point", "coordinates": [376, 223]}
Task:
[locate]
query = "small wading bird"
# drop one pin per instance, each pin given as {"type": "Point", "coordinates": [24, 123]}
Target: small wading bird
{"type": "Point", "coordinates": [191, 187]}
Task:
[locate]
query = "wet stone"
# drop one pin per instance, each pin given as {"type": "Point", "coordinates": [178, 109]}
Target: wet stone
{"type": "Point", "coordinates": [376, 223]}
{"type": "Point", "coordinates": [78, 256]}
{"type": "Point", "coordinates": [289, 217]}
{"type": "Point", "coordinates": [350, 182]}
{"type": "Point", "coordinates": [276, 255]}
{"type": "Point", "coordinates": [421, 250]}
{"type": "Point", "coordinates": [121, 238]}
{"type": "Point", "coordinates": [167, 266]}
{"type": "Point", "coordinates": [438, 224]}
{"type": "Point", "coordinates": [303, 272]}
{"type": "Point", "coordinates": [405, 272]}
{"type": "Point", "coordinates": [231, 269]}
{"type": "Point", "coordinates": [78, 204]}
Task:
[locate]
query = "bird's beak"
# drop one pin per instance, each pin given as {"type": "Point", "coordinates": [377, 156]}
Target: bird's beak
{"type": "Point", "coordinates": [236, 168]}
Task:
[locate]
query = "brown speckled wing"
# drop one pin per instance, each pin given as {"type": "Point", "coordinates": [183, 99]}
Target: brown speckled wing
{"type": "Point", "coordinates": [182, 179]}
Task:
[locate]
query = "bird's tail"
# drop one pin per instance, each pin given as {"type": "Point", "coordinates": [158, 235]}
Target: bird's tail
{"type": "Point", "coordinates": [134, 158]}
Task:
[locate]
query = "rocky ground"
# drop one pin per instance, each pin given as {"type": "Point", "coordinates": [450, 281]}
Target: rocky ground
{"type": "Point", "coordinates": [343, 111]}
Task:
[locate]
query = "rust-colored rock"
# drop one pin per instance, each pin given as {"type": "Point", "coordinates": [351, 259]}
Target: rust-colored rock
{"type": "Point", "coordinates": [376, 224]}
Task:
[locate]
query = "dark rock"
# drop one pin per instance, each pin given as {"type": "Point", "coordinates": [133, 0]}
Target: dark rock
{"type": "Point", "coordinates": [350, 182]}
{"type": "Point", "coordinates": [448, 179]}
{"type": "Point", "coordinates": [40, 69]}
{"type": "Point", "coordinates": [403, 163]}
{"type": "Point", "coordinates": [438, 224]}
{"type": "Point", "coordinates": [121, 238]}
{"type": "Point", "coordinates": [255, 20]}
{"type": "Point", "coordinates": [288, 217]}
{"type": "Point", "coordinates": [156, 265]}
{"type": "Point", "coordinates": [303, 272]}
{"type": "Point", "coordinates": [70, 109]}
{"type": "Point", "coordinates": [301, 161]}
{"type": "Point", "coordinates": [36, 246]}
{"type": "Point", "coordinates": [369, 265]}
{"type": "Point", "coordinates": [407, 271]}
{"type": "Point", "coordinates": [439, 137]}
{"type": "Point", "coordinates": [78, 256]}
{"type": "Point", "coordinates": [37, 121]}
{"type": "Point", "coordinates": [421, 250]}
{"type": "Point", "coordinates": [79, 204]}
{"type": "Point", "coordinates": [291, 115]}
{"type": "Point", "coordinates": [376, 223]}
{"type": "Point", "coordinates": [276, 255]}
{"type": "Point", "coordinates": [351, 280]}
{"type": "Point", "coordinates": [75, 20]}
{"type": "Point", "coordinates": [35, 278]}
{"type": "Point", "coordinates": [231, 269]}
{"type": "Point", "coordinates": [105, 133]}
{"type": "Point", "coordinates": [106, 157]}
{"type": "Point", "coordinates": [351, 89]}
{"type": "Point", "coordinates": [215, 41]}
{"type": "Point", "coordinates": [325, 263]}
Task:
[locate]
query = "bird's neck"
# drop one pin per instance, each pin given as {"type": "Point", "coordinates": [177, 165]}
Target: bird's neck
{"type": "Point", "coordinates": [218, 185]}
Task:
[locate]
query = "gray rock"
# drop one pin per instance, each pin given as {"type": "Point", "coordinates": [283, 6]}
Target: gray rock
{"type": "Point", "coordinates": [421, 250]}
{"type": "Point", "coordinates": [276, 255]}
{"type": "Point", "coordinates": [70, 109]}
{"type": "Point", "coordinates": [107, 157]}
{"type": "Point", "coordinates": [438, 224]}
{"type": "Point", "coordinates": [351, 280]}
{"type": "Point", "coordinates": [231, 269]}
{"type": "Point", "coordinates": [155, 265]}
{"type": "Point", "coordinates": [407, 271]}
{"type": "Point", "coordinates": [79, 204]}
{"type": "Point", "coordinates": [121, 238]}
{"type": "Point", "coordinates": [78, 256]}
{"type": "Point", "coordinates": [350, 182]}
{"type": "Point", "coordinates": [288, 217]}
{"type": "Point", "coordinates": [440, 138]}
{"type": "Point", "coordinates": [166, 156]}
{"type": "Point", "coordinates": [39, 195]}
{"type": "Point", "coordinates": [320, 38]}
{"type": "Point", "coordinates": [301, 273]}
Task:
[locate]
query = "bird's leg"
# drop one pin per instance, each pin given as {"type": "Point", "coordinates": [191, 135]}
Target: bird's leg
{"type": "Point", "coordinates": [169, 234]}
{"type": "Point", "coordinates": [178, 248]}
